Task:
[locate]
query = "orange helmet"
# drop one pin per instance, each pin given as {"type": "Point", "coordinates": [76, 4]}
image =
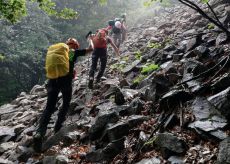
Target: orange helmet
{"type": "Point", "coordinates": [73, 42]}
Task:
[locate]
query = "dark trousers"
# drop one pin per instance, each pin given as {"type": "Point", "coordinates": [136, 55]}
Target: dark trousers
{"type": "Point", "coordinates": [63, 85]}
{"type": "Point", "coordinates": [98, 53]}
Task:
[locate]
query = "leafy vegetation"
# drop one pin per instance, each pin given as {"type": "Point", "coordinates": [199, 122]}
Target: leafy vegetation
{"type": "Point", "coordinates": [14, 10]}
{"type": "Point", "coordinates": [138, 79]}
{"type": "Point", "coordinates": [211, 26]}
{"type": "Point", "coordinates": [148, 67]}
{"type": "Point", "coordinates": [138, 55]}
{"type": "Point", "coordinates": [118, 66]}
{"type": "Point", "coordinates": [155, 45]}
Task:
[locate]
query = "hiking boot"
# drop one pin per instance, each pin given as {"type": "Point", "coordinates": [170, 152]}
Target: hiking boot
{"type": "Point", "coordinates": [37, 140]}
{"type": "Point", "coordinates": [90, 85]}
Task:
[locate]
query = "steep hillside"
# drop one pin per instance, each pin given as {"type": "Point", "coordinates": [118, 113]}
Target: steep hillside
{"type": "Point", "coordinates": [165, 100]}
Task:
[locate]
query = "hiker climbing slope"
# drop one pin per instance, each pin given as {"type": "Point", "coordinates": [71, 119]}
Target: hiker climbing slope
{"type": "Point", "coordinates": [59, 71]}
{"type": "Point", "coordinates": [100, 41]}
{"type": "Point", "coordinates": [118, 30]}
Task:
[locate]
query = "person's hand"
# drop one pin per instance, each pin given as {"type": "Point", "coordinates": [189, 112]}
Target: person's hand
{"type": "Point", "coordinates": [118, 53]}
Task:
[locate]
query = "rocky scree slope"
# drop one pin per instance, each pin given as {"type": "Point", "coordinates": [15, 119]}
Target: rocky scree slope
{"type": "Point", "coordinates": [165, 100]}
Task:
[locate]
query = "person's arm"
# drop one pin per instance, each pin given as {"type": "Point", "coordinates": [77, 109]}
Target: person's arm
{"type": "Point", "coordinates": [82, 52]}
{"type": "Point", "coordinates": [114, 46]}
{"type": "Point", "coordinates": [89, 49]}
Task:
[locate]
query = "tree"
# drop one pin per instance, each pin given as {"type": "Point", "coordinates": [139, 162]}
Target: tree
{"type": "Point", "coordinates": [14, 10]}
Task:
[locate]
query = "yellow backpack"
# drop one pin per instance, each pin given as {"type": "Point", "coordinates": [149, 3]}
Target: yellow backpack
{"type": "Point", "coordinates": [57, 61]}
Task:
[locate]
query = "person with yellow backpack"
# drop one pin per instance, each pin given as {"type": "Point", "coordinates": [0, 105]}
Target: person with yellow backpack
{"type": "Point", "coordinates": [59, 67]}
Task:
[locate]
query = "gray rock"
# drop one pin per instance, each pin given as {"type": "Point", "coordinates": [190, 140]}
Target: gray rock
{"type": "Point", "coordinates": [119, 97]}
{"type": "Point", "coordinates": [129, 93]}
{"type": "Point", "coordinates": [59, 136]}
{"type": "Point", "coordinates": [175, 160]}
{"type": "Point", "coordinates": [6, 134]}
{"type": "Point", "coordinates": [107, 153]}
{"type": "Point", "coordinates": [19, 128]}
{"type": "Point", "coordinates": [61, 159]}
{"type": "Point", "coordinates": [117, 131]}
{"type": "Point", "coordinates": [7, 108]}
{"type": "Point", "coordinates": [104, 117]}
{"type": "Point", "coordinates": [226, 19]}
{"type": "Point", "coordinates": [148, 93]}
{"type": "Point", "coordinates": [208, 125]}
{"type": "Point", "coordinates": [169, 144]}
{"type": "Point", "coordinates": [201, 108]}
{"type": "Point", "coordinates": [224, 152]}
{"type": "Point", "coordinates": [5, 161]}
{"type": "Point", "coordinates": [153, 160]}
{"type": "Point", "coordinates": [221, 83]}
{"type": "Point", "coordinates": [36, 89]}
{"type": "Point", "coordinates": [49, 160]}
{"type": "Point", "coordinates": [6, 146]}
{"type": "Point", "coordinates": [169, 48]}
{"type": "Point", "coordinates": [190, 32]}
{"type": "Point", "coordinates": [201, 51]}
{"type": "Point", "coordinates": [221, 102]}
{"type": "Point", "coordinates": [130, 67]}
{"type": "Point", "coordinates": [189, 44]}
{"type": "Point", "coordinates": [23, 153]}
{"type": "Point", "coordinates": [135, 107]}
{"type": "Point", "coordinates": [135, 120]}
{"type": "Point", "coordinates": [71, 137]}
{"type": "Point", "coordinates": [218, 2]}
{"type": "Point", "coordinates": [177, 57]}
{"type": "Point", "coordinates": [221, 38]}
{"type": "Point", "coordinates": [219, 134]}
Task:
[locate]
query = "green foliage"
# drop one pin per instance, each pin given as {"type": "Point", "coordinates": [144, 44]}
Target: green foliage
{"type": "Point", "coordinates": [138, 55]}
{"type": "Point", "coordinates": [2, 57]}
{"type": "Point", "coordinates": [204, 1]}
{"type": "Point", "coordinates": [126, 58]}
{"type": "Point", "coordinates": [14, 10]}
{"type": "Point", "coordinates": [149, 68]}
{"type": "Point", "coordinates": [118, 66]}
{"type": "Point", "coordinates": [159, 45]}
{"type": "Point", "coordinates": [103, 2]}
{"type": "Point", "coordinates": [147, 4]}
{"type": "Point", "coordinates": [150, 142]}
{"type": "Point", "coordinates": [155, 45]}
{"type": "Point", "coordinates": [211, 26]}
{"type": "Point", "coordinates": [138, 79]}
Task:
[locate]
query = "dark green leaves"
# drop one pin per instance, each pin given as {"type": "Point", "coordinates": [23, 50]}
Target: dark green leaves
{"type": "Point", "coordinates": [14, 10]}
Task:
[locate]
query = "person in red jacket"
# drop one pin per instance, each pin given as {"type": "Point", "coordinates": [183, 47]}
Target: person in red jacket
{"type": "Point", "coordinates": [100, 40]}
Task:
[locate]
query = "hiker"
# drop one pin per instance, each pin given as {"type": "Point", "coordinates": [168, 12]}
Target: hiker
{"type": "Point", "coordinates": [118, 30]}
{"type": "Point", "coordinates": [60, 61]}
{"type": "Point", "coordinates": [100, 41]}
{"type": "Point", "coordinates": [124, 29]}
